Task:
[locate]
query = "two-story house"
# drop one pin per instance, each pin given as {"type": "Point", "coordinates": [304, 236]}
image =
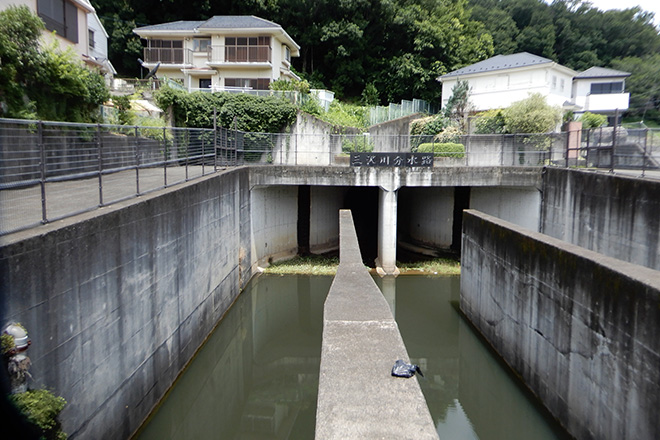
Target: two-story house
{"type": "Point", "coordinates": [503, 79]}
{"type": "Point", "coordinates": [224, 52]}
{"type": "Point", "coordinates": [72, 24]}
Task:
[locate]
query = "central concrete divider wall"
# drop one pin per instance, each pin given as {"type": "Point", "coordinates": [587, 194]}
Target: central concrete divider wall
{"type": "Point", "coordinates": [358, 398]}
{"type": "Point", "coordinates": [580, 328]}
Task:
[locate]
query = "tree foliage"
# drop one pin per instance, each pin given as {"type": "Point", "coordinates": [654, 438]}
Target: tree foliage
{"type": "Point", "coordinates": [572, 32]}
{"type": "Point", "coordinates": [592, 120]}
{"type": "Point", "coordinates": [43, 82]}
{"type": "Point", "coordinates": [402, 46]}
{"type": "Point", "coordinates": [245, 112]}
{"type": "Point", "coordinates": [531, 115]}
{"type": "Point", "coordinates": [643, 84]}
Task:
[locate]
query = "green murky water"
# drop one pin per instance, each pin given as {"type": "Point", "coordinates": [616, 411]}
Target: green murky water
{"type": "Point", "coordinates": [257, 375]}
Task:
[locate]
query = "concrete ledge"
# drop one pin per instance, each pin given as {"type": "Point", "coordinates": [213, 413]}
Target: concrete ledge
{"type": "Point", "coordinates": [358, 397]}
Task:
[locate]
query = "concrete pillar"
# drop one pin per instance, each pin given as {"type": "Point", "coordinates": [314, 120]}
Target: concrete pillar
{"type": "Point", "coordinates": [387, 209]}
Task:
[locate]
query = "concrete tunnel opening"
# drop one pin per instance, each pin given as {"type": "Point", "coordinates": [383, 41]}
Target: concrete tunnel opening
{"type": "Point", "coordinates": [363, 203]}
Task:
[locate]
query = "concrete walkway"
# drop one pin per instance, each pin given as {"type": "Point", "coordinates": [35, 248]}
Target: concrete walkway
{"type": "Point", "coordinates": [22, 207]}
{"type": "Point", "coordinates": [358, 397]}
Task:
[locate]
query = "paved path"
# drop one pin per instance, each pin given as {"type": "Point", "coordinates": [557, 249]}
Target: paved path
{"type": "Point", "coordinates": [21, 208]}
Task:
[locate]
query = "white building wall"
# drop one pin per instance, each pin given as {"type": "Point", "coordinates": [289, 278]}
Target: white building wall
{"type": "Point", "coordinates": [500, 89]}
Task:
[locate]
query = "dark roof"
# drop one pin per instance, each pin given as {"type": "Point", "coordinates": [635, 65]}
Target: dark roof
{"type": "Point", "coordinates": [237, 21]}
{"type": "Point", "coordinates": [173, 26]}
{"type": "Point", "coordinates": [216, 22]}
{"type": "Point", "coordinates": [601, 72]}
{"type": "Point", "coordinates": [500, 62]}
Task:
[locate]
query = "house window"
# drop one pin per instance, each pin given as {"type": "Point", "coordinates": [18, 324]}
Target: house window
{"type": "Point", "coordinates": [201, 44]}
{"type": "Point", "coordinates": [92, 44]}
{"type": "Point", "coordinates": [248, 83]}
{"type": "Point", "coordinates": [205, 83]}
{"type": "Point", "coordinates": [562, 84]}
{"type": "Point", "coordinates": [247, 49]}
{"type": "Point", "coordinates": [607, 88]}
{"type": "Point", "coordinates": [287, 54]}
{"type": "Point", "coordinates": [164, 51]}
{"type": "Point", "coordinates": [554, 82]}
{"type": "Point", "coordinates": [60, 16]}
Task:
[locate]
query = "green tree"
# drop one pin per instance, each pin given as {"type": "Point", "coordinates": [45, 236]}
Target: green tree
{"type": "Point", "coordinates": [19, 57]}
{"type": "Point", "coordinates": [531, 115]}
{"type": "Point", "coordinates": [592, 120]}
{"type": "Point", "coordinates": [46, 83]}
{"type": "Point", "coordinates": [643, 84]}
{"type": "Point", "coordinates": [458, 106]}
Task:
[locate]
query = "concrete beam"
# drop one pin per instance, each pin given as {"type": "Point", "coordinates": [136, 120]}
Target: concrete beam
{"type": "Point", "coordinates": [394, 178]}
{"type": "Point", "coordinates": [358, 397]}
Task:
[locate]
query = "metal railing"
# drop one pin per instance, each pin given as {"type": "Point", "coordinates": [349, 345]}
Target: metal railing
{"type": "Point", "coordinates": [168, 55]}
{"type": "Point", "coordinates": [240, 54]}
{"type": "Point", "coordinates": [49, 171]}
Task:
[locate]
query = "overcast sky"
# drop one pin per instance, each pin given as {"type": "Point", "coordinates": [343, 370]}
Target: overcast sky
{"type": "Point", "coordinates": [647, 5]}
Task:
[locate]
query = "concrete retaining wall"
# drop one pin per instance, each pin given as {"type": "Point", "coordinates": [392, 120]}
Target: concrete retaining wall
{"type": "Point", "coordinates": [117, 301]}
{"type": "Point", "coordinates": [393, 136]}
{"type": "Point", "coordinates": [580, 328]}
{"type": "Point", "coordinates": [426, 216]}
{"type": "Point", "coordinates": [520, 206]}
{"type": "Point", "coordinates": [324, 218]}
{"type": "Point", "coordinates": [311, 142]}
{"type": "Point", "coordinates": [614, 215]}
{"type": "Point", "coordinates": [274, 223]}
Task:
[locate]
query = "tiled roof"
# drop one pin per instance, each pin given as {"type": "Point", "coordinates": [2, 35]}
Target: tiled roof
{"type": "Point", "coordinates": [237, 21]}
{"type": "Point", "coordinates": [216, 22]}
{"type": "Point", "coordinates": [601, 72]}
{"type": "Point", "coordinates": [173, 26]}
{"type": "Point", "coordinates": [499, 62]}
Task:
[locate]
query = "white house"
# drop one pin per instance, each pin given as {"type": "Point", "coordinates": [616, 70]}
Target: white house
{"type": "Point", "coordinates": [503, 79]}
{"type": "Point", "coordinates": [600, 90]}
{"type": "Point", "coordinates": [97, 40]}
{"type": "Point", "coordinates": [222, 53]}
{"type": "Point", "coordinates": [72, 23]}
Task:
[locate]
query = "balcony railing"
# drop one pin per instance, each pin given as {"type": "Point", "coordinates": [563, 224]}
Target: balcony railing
{"type": "Point", "coordinates": [240, 54]}
{"type": "Point", "coordinates": [166, 55]}
{"type": "Point", "coordinates": [607, 102]}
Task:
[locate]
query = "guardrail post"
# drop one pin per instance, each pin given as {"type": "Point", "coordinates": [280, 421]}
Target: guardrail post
{"type": "Point", "coordinates": [99, 149]}
{"type": "Point", "coordinates": [42, 170]}
{"type": "Point", "coordinates": [616, 123]}
{"type": "Point", "coordinates": [203, 155]}
{"type": "Point", "coordinates": [187, 142]}
{"type": "Point", "coordinates": [137, 162]}
{"type": "Point", "coordinates": [646, 136]}
{"type": "Point", "coordinates": [215, 141]}
{"type": "Point", "coordinates": [165, 157]}
{"type": "Point", "coordinates": [568, 146]}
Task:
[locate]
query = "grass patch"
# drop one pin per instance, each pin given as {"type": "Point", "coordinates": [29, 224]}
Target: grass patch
{"type": "Point", "coordinates": [438, 266]}
{"type": "Point", "coordinates": [308, 265]}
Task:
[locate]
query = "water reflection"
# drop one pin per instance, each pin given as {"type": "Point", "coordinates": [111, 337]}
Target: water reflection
{"type": "Point", "coordinates": [469, 395]}
{"type": "Point", "coordinates": [257, 376]}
